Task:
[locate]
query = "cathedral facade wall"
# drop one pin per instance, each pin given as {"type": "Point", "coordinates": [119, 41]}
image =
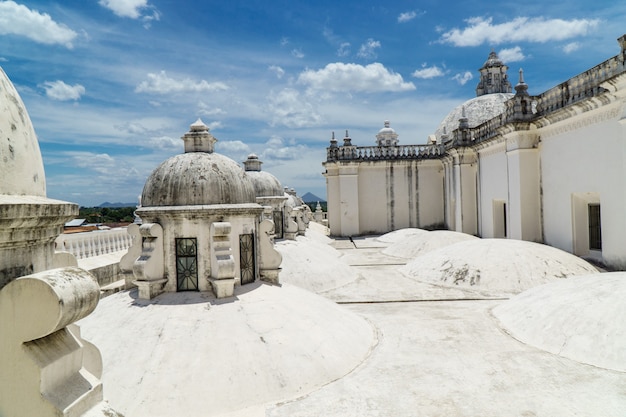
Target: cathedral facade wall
{"type": "Point", "coordinates": [494, 191]}
{"type": "Point", "coordinates": [583, 163]}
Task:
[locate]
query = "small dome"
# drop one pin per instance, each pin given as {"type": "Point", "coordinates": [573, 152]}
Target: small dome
{"type": "Point", "coordinates": [264, 183]}
{"type": "Point", "coordinates": [477, 110]}
{"type": "Point", "coordinates": [493, 61]}
{"type": "Point", "coordinates": [387, 136]}
{"type": "Point", "coordinates": [197, 178]}
{"type": "Point", "coordinates": [21, 163]}
{"type": "Point", "coordinates": [387, 128]}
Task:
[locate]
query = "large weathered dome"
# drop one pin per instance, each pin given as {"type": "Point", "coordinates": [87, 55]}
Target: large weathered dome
{"type": "Point", "coordinates": [197, 177]}
{"type": "Point", "coordinates": [22, 166]}
{"type": "Point", "coordinates": [477, 110]}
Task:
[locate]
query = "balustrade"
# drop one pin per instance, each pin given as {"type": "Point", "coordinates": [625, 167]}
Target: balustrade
{"type": "Point", "coordinates": [99, 242]}
{"type": "Point", "coordinates": [371, 153]}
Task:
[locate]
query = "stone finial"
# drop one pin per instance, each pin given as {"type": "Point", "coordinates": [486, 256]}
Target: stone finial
{"type": "Point", "coordinates": [463, 121]}
{"type": "Point", "coordinates": [199, 139]}
{"type": "Point", "coordinates": [347, 141]}
{"type": "Point", "coordinates": [521, 88]}
{"type": "Point", "coordinates": [252, 163]}
{"type": "Point", "coordinates": [333, 141]}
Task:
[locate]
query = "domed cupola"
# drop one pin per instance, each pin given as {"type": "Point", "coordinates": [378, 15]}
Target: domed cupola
{"type": "Point", "coordinates": [264, 183]}
{"type": "Point", "coordinates": [493, 77]}
{"type": "Point", "coordinates": [197, 177]}
{"type": "Point", "coordinates": [387, 136]}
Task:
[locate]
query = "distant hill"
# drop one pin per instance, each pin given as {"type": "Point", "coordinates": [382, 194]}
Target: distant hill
{"type": "Point", "coordinates": [312, 198]}
{"type": "Point", "coordinates": [117, 205]}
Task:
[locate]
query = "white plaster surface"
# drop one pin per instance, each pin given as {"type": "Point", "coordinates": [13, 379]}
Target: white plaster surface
{"type": "Point", "coordinates": [496, 266]}
{"type": "Point", "coordinates": [414, 245]}
{"type": "Point", "coordinates": [188, 354]}
{"type": "Point", "coordinates": [399, 234]}
{"type": "Point", "coordinates": [581, 318]}
{"type": "Point", "coordinates": [440, 350]}
{"type": "Point", "coordinates": [302, 267]}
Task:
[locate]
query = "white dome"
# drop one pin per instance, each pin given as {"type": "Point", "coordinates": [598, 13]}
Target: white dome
{"type": "Point", "coordinates": [264, 183]}
{"type": "Point", "coordinates": [197, 178]}
{"type": "Point", "coordinates": [21, 163]}
{"type": "Point", "coordinates": [415, 245]}
{"type": "Point", "coordinates": [477, 110]}
{"type": "Point", "coordinates": [496, 266]}
{"type": "Point", "coordinates": [581, 318]}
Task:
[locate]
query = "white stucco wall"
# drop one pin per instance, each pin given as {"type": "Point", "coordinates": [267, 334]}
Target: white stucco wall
{"type": "Point", "coordinates": [589, 159]}
{"type": "Point", "coordinates": [493, 186]}
{"type": "Point", "coordinates": [374, 206]}
{"type": "Point", "coordinates": [430, 193]}
{"type": "Point", "coordinates": [333, 197]}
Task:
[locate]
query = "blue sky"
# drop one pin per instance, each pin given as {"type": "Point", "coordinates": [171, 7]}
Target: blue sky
{"type": "Point", "coordinates": [112, 85]}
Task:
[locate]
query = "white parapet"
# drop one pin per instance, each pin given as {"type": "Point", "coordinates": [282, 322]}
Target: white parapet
{"type": "Point", "coordinates": [98, 242]}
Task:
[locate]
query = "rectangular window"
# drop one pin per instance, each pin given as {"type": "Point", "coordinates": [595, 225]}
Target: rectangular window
{"type": "Point", "coordinates": [595, 227]}
{"type": "Point", "coordinates": [186, 264]}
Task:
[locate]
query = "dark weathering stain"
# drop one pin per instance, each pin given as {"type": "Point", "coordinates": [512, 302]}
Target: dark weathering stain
{"type": "Point", "coordinates": [9, 274]}
{"type": "Point", "coordinates": [391, 199]}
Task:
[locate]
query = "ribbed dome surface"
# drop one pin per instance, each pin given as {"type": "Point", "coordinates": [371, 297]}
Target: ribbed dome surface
{"type": "Point", "coordinates": [265, 184]}
{"type": "Point", "coordinates": [477, 110]}
{"type": "Point", "coordinates": [197, 178]}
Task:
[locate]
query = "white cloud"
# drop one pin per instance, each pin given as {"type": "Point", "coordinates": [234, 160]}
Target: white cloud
{"type": "Point", "coordinates": [102, 163]}
{"type": "Point", "coordinates": [571, 47]}
{"type": "Point", "coordinates": [165, 142]}
{"type": "Point", "coordinates": [288, 108]}
{"type": "Point", "coordinates": [277, 70]}
{"type": "Point", "coordinates": [344, 49]}
{"type": "Point", "coordinates": [278, 149]}
{"type": "Point", "coordinates": [129, 8]}
{"type": "Point", "coordinates": [162, 84]}
{"type": "Point", "coordinates": [512, 55]}
{"type": "Point", "coordinates": [58, 90]}
{"type": "Point", "coordinates": [428, 72]}
{"type": "Point", "coordinates": [481, 30]}
{"type": "Point", "coordinates": [205, 110]}
{"type": "Point", "coordinates": [354, 77]}
{"type": "Point", "coordinates": [235, 149]}
{"type": "Point", "coordinates": [297, 53]}
{"type": "Point", "coordinates": [16, 19]}
{"type": "Point", "coordinates": [368, 49]}
{"type": "Point", "coordinates": [463, 78]}
{"type": "Point", "coordinates": [407, 16]}
{"type": "Point", "coordinates": [284, 41]}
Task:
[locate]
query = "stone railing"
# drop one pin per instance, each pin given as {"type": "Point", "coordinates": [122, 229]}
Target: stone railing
{"type": "Point", "coordinates": [375, 153]}
{"type": "Point", "coordinates": [88, 244]}
{"type": "Point", "coordinates": [581, 86]}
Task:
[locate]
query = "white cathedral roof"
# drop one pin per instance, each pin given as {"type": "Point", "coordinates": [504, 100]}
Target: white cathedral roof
{"type": "Point", "coordinates": [477, 110]}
